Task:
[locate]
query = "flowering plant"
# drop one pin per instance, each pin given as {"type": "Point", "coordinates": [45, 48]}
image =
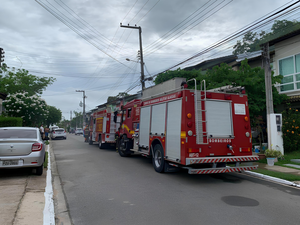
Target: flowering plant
{"type": "Point", "coordinates": [271, 153]}
{"type": "Point", "coordinates": [291, 130]}
{"type": "Point", "coordinates": [31, 108]}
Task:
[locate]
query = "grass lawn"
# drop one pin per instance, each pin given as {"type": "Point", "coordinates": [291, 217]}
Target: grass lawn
{"type": "Point", "coordinates": [285, 176]}
{"type": "Point", "coordinates": [46, 160]}
{"type": "Point", "coordinates": [286, 159]}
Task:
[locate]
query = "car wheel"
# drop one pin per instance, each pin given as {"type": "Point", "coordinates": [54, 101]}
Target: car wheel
{"type": "Point", "coordinates": [123, 148]}
{"type": "Point", "coordinates": [39, 170]}
{"type": "Point", "coordinates": [158, 160]}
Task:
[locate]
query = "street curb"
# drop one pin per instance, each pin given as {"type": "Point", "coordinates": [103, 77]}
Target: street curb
{"type": "Point", "coordinates": [61, 210]}
{"type": "Point", "coordinates": [48, 213]}
{"type": "Point", "coordinates": [286, 182]}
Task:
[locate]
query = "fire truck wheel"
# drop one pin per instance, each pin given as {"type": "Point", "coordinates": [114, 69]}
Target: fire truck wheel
{"type": "Point", "coordinates": [101, 146]}
{"type": "Point", "coordinates": [123, 148]}
{"type": "Point", "coordinates": [158, 160]}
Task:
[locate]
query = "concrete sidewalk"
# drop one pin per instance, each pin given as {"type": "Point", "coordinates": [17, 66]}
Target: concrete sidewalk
{"type": "Point", "coordinates": [22, 199]}
{"type": "Point", "coordinates": [280, 169]}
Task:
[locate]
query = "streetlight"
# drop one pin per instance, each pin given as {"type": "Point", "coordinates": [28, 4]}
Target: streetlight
{"type": "Point", "coordinates": [83, 115]}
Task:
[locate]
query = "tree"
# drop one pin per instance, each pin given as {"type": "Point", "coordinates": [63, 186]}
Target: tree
{"type": "Point", "coordinates": [31, 108]}
{"type": "Point", "coordinates": [120, 95]}
{"type": "Point", "coordinates": [14, 81]}
{"type": "Point", "coordinates": [54, 115]}
{"type": "Point", "coordinates": [188, 74]}
{"type": "Point", "coordinates": [249, 43]}
{"type": "Point", "coordinates": [252, 40]}
{"type": "Point", "coordinates": [253, 79]}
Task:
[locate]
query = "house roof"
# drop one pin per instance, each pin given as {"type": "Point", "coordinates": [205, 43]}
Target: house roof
{"type": "Point", "coordinates": [284, 37]}
{"type": "Point", "coordinates": [212, 62]}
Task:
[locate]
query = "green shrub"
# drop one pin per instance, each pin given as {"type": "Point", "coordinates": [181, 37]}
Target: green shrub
{"type": "Point", "coordinates": [291, 130]}
{"type": "Point", "coordinates": [271, 153]}
{"type": "Point", "coordinates": [10, 121]}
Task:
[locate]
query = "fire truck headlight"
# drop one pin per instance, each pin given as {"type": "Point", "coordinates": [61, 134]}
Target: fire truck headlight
{"type": "Point", "coordinates": [247, 134]}
{"type": "Point", "coordinates": [190, 133]}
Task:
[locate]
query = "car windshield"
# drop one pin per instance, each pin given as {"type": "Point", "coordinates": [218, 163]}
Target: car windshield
{"type": "Point", "coordinates": [59, 130]}
{"type": "Point", "coordinates": [18, 133]}
{"type": "Point", "coordinates": [79, 129]}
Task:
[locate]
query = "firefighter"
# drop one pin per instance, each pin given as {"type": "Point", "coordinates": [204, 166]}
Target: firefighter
{"type": "Point", "coordinates": [117, 139]}
{"type": "Point", "coordinates": [86, 133]}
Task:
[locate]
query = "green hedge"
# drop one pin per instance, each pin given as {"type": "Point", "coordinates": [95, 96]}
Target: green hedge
{"type": "Point", "coordinates": [10, 121]}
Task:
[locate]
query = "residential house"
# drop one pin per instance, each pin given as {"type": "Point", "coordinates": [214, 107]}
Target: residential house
{"type": "Point", "coordinates": [286, 62]}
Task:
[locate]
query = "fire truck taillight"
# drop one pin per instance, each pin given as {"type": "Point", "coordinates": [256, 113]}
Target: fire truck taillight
{"type": "Point", "coordinates": [107, 136]}
{"type": "Point", "coordinates": [189, 124]}
{"type": "Point", "coordinates": [244, 149]}
{"type": "Point", "coordinates": [247, 134]}
{"type": "Point", "coordinates": [189, 115]}
{"type": "Point", "coordinates": [179, 95]}
{"type": "Point", "coordinates": [246, 118]}
{"type": "Point", "coordinates": [190, 133]}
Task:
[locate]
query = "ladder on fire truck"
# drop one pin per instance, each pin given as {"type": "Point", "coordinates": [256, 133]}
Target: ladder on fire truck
{"type": "Point", "coordinates": [200, 100]}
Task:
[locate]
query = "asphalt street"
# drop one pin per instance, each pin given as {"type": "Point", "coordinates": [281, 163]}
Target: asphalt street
{"type": "Point", "coordinates": [103, 188]}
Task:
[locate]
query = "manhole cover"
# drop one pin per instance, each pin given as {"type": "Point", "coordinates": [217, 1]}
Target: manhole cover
{"type": "Point", "coordinates": [239, 201]}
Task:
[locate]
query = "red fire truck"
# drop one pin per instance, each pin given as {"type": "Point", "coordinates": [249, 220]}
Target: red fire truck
{"type": "Point", "coordinates": [202, 131]}
{"type": "Point", "coordinates": [103, 128]}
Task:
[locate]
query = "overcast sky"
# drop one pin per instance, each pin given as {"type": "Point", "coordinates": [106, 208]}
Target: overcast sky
{"type": "Point", "coordinates": [81, 43]}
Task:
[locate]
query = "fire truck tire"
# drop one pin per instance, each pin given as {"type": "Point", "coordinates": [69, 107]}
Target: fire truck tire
{"type": "Point", "coordinates": [158, 160]}
{"type": "Point", "coordinates": [101, 145]}
{"type": "Point", "coordinates": [123, 148]}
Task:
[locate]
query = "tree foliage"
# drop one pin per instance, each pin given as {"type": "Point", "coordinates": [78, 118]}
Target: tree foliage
{"type": "Point", "coordinates": [54, 115]}
{"type": "Point", "coordinates": [23, 100]}
{"type": "Point", "coordinates": [197, 74]}
{"type": "Point", "coordinates": [31, 108]}
{"type": "Point", "coordinates": [252, 40]}
{"type": "Point", "coordinates": [14, 81]}
{"type": "Point", "coordinates": [120, 95]}
{"type": "Point", "coordinates": [291, 130]}
{"type": "Point", "coordinates": [253, 79]}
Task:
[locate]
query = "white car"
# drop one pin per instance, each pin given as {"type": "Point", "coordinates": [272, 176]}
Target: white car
{"type": "Point", "coordinates": [58, 133]}
{"type": "Point", "coordinates": [79, 131]}
{"type": "Point", "coordinates": [22, 147]}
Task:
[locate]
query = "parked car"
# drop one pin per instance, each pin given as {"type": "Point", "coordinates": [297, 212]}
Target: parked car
{"type": "Point", "coordinates": [58, 133]}
{"type": "Point", "coordinates": [22, 147]}
{"type": "Point", "coordinates": [79, 131]}
{"type": "Point", "coordinates": [52, 128]}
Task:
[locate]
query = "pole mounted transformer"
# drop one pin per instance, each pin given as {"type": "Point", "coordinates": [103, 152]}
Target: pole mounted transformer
{"type": "Point", "coordinates": [141, 52]}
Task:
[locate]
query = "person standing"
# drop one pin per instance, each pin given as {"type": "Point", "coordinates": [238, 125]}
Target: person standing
{"type": "Point", "coordinates": [42, 131]}
{"type": "Point", "coordinates": [46, 133]}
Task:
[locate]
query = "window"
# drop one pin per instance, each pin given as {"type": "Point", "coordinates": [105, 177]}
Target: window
{"type": "Point", "coordinates": [129, 113]}
{"type": "Point", "coordinates": [289, 68]}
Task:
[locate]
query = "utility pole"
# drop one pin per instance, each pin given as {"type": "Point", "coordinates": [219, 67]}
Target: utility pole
{"type": "Point", "coordinates": [1, 56]}
{"type": "Point", "coordinates": [83, 115]}
{"type": "Point", "coordinates": [268, 85]}
{"type": "Point", "coordinates": [141, 52]}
